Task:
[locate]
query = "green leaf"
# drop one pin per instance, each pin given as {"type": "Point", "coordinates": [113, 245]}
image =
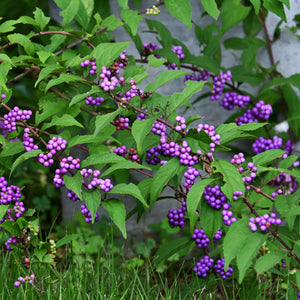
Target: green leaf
{"type": "Point", "coordinates": [8, 26]}
{"type": "Point", "coordinates": [249, 250]}
{"type": "Point", "coordinates": [269, 260]}
{"type": "Point", "coordinates": [211, 8]}
{"type": "Point", "coordinates": [43, 55]}
{"type": "Point", "coordinates": [6, 58]}
{"type": "Point", "coordinates": [11, 227]}
{"type": "Point", "coordinates": [232, 13]}
{"type": "Point", "coordinates": [64, 121]}
{"type": "Point", "coordinates": [293, 103]}
{"type": "Point", "coordinates": [23, 41]}
{"type": "Point", "coordinates": [3, 210]}
{"type": "Point", "coordinates": [47, 71]}
{"type": "Point", "coordinates": [139, 131]}
{"type": "Point", "coordinates": [170, 248]}
{"type": "Point", "coordinates": [92, 201]}
{"type": "Point", "coordinates": [181, 10]}
{"type": "Point", "coordinates": [40, 18]}
{"type": "Point", "coordinates": [24, 157]}
{"type": "Point", "coordinates": [40, 253]}
{"type": "Point", "coordinates": [106, 53]}
{"type": "Point", "coordinates": [64, 78]}
{"type": "Point", "coordinates": [66, 239]}
{"type": "Point", "coordinates": [87, 139]}
{"type": "Point", "coordinates": [256, 4]}
{"type": "Point", "coordinates": [123, 3]}
{"type": "Point", "coordinates": [130, 189]}
{"type": "Point", "coordinates": [111, 23]}
{"type": "Point", "coordinates": [181, 99]}
{"type": "Point", "coordinates": [132, 19]}
{"type": "Point", "coordinates": [103, 121]}
{"type": "Point", "coordinates": [123, 165]}
{"type": "Point", "coordinates": [163, 78]}
{"type": "Point", "coordinates": [235, 239]}
{"type": "Point", "coordinates": [241, 74]}
{"type": "Point", "coordinates": [231, 176]}
{"type": "Point", "coordinates": [266, 157]}
{"type": "Point", "coordinates": [70, 12]}
{"type": "Point", "coordinates": [117, 212]}
{"type": "Point", "coordinates": [162, 177]}
{"type": "Point", "coordinates": [193, 199]}
{"type": "Point", "coordinates": [79, 97]}
{"type": "Point", "coordinates": [204, 62]}
{"type": "Point", "coordinates": [275, 7]}
{"type": "Point", "coordinates": [102, 158]}
{"type": "Point", "coordinates": [11, 148]}
{"type": "Point", "coordinates": [163, 31]}
{"type": "Point", "coordinates": [74, 183]}
{"type": "Point", "coordinates": [84, 12]}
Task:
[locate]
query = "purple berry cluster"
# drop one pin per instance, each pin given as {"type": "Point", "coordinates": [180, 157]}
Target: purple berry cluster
{"type": "Point", "coordinates": [217, 235]}
{"type": "Point", "coordinates": [180, 123]}
{"type": "Point", "coordinates": [9, 193]}
{"type": "Point", "coordinates": [288, 147]}
{"type": "Point", "coordinates": [210, 130]}
{"type": "Point", "coordinates": [200, 238]}
{"type": "Point", "coordinates": [287, 183]}
{"type": "Point", "coordinates": [203, 266]}
{"type": "Point", "coordinates": [264, 222]}
{"type": "Point", "coordinates": [87, 63]}
{"type": "Point", "coordinates": [152, 155]}
{"type": "Point", "coordinates": [227, 215]}
{"type": "Point", "coordinates": [232, 99]}
{"type": "Point", "coordinates": [178, 51]}
{"type": "Point", "coordinates": [121, 123]}
{"type": "Point", "coordinates": [95, 182]}
{"type": "Point", "coordinates": [159, 128]}
{"type": "Point", "coordinates": [218, 84]}
{"type": "Point", "coordinates": [130, 154]}
{"type": "Point", "coordinates": [219, 267]}
{"type": "Point", "coordinates": [94, 101]}
{"type": "Point", "coordinates": [176, 216]}
{"type": "Point", "coordinates": [251, 173]}
{"type": "Point", "coordinates": [237, 194]}
{"type": "Point", "coordinates": [214, 197]}
{"type": "Point", "coordinates": [55, 144]}
{"type": "Point", "coordinates": [28, 141]}
{"type": "Point", "coordinates": [16, 114]}
{"type": "Point", "coordinates": [67, 164]}
{"type": "Point", "coordinates": [21, 280]}
{"type": "Point", "coordinates": [148, 49]}
{"type": "Point", "coordinates": [88, 217]}
{"type": "Point", "coordinates": [262, 144]}
{"type": "Point", "coordinates": [202, 76]}
{"type": "Point", "coordinates": [190, 177]}
{"type": "Point", "coordinates": [185, 158]}
{"type": "Point", "coordinates": [261, 111]}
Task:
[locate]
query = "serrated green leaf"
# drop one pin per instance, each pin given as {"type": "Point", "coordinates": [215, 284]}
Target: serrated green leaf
{"type": "Point", "coordinates": [132, 18]}
{"type": "Point", "coordinates": [181, 10]}
{"type": "Point", "coordinates": [181, 99]}
{"type": "Point", "coordinates": [92, 201]}
{"type": "Point", "coordinates": [66, 239]}
{"type": "Point", "coordinates": [140, 129]}
{"type": "Point", "coordinates": [269, 260]}
{"type": "Point", "coordinates": [164, 78]}
{"type": "Point", "coordinates": [248, 252]}
{"type": "Point", "coordinates": [204, 62]}
{"type": "Point", "coordinates": [82, 16]}
{"type": "Point", "coordinates": [155, 62]}
{"type": "Point", "coordinates": [235, 239]}
{"type": "Point", "coordinates": [64, 78]}
{"type": "Point", "coordinates": [241, 74]}
{"type": "Point", "coordinates": [162, 177]}
{"type": "Point", "coordinates": [231, 176]}
{"type": "Point", "coordinates": [3, 210]}
{"type": "Point", "coordinates": [74, 183]}
{"type": "Point", "coordinates": [40, 18]}
{"type": "Point", "coordinates": [24, 157]}
{"type": "Point", "coordinates": [193, 199]}
{"type": "Point", "coordinates": [6, 58]}
{"type": "Point", "coordinates": [104, 120]}
{"type": "Point", "coordinates": [47, 71]}
{"type": "Point", "coordinates": [130, 189]}
{"type": "Point", "coordinates": [63, 121]}
{"type": "Point", "coordinates": [11, 148]}
{"type": "Point", "coordinates": [117, 212]}
{"type": "Point", "coordinates": [111, 23]}
{"type": "Point", "coordinates": [256, 4]}
{"type": "Point", "coordinates": [86, 139]}
{"type": "Point", "coordinates": [70, 12]}
{"type": "Point", "coordinates": [275, 7]}
{"type": "Point", "coordinates": [232, 13]}
{"type": "Point", "coordinates": [23, 41]}
{"type": "Point", "coordinates": [43, 55]}
{"type": "Point", "coordinates": [8, 26]}
{"type": "Point", "coordinates": [106, 53]}
{"type": "Point", "coordinates": [102, 158]}
{"type": "Point", "coordinates": [211, 8]}
{"type": "Point", "coordinates": [11, 227]}
{"type": "Point", "coordinates": [266, 157]}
